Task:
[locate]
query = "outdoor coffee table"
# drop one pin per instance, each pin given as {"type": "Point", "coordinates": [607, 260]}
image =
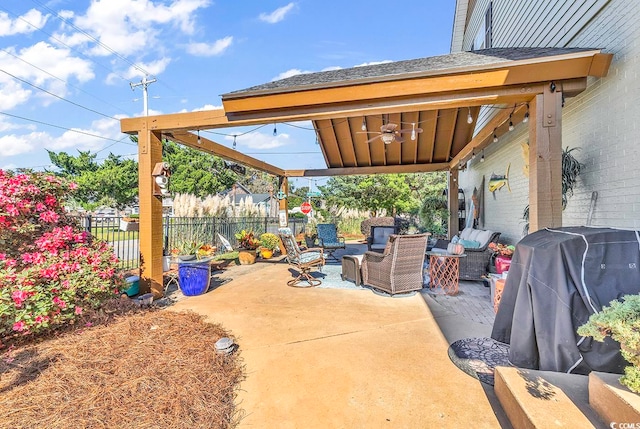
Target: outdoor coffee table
{"type": "Point", "coordinates": [444, 272]}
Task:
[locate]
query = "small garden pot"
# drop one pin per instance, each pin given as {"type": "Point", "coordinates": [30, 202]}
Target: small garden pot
{"type": "Point", "coordinates": [194, 276]}
{"type": "Point", "coordinates": [266, 253]}
{"type": "Point", "coordinates": [502, 264]}
{"type": "Point", "coordinates": [247, 257]}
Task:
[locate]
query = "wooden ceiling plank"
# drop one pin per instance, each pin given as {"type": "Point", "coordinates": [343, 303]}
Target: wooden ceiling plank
{"type": "Point", "coordinates": [316, 128]}
{"type": "Point", "coordinates": [345, 143]}
{"type": "Point", "coordinates": [359, 139]}
{"type": "Point", "coordinates": [426, 139]}
{"type": "Point", "coordinates": [444, 135]}
{"type": "Point", "coordinates": [376, 147]}
{"type": "Point", "coordinates": [392, 151]}
{"type": "Point", "coordinates": [209, 146]}
{"type": "Point", "coordinates": [381, 169]}
{"type": "Point", "coordinates": [410, 147]}
{"type": "Point", "coordinates": [329, 143]}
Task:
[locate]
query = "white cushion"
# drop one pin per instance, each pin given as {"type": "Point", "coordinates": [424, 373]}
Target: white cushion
{"type": "Point", "coordinates": [474, 234]}
{"type": "Point", "coordinates": [466, 233]}
{"type": "Point", "coordinates": [483, 237]}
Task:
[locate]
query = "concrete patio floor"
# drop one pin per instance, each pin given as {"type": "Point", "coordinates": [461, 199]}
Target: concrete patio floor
{"type": "Point", "coordinates": [333, 358]}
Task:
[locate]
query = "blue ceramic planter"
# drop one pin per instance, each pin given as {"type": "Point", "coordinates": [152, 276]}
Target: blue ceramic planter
{"type": "Point", "coordinates": [194, 276]}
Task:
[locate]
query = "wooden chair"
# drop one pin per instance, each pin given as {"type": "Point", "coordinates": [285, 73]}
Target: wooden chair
{"type": "Point", "coordinates": [399, 268]}
{"type": "Point", "coordinates": [303, 260]}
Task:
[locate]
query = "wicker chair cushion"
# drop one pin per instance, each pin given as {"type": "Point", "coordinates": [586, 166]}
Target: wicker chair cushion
{"type": "Point", "coordinates": [466, 233]}
{"type": "Point", "coordinates": [309, 256]}
{"type": "Point", "coordinates": [470, 244]}
{"type": "Point", "coordinates": [483, 237]}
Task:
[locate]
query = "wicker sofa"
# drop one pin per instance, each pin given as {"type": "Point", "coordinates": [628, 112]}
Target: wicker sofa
{"type": "Point", "coordinates": [475, 265]}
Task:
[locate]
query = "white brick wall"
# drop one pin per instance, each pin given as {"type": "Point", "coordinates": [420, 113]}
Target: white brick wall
{"type": "Point", "coordinates": [602, 122]}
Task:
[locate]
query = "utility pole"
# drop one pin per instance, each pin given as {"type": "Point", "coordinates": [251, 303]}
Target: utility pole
{"type": "Point", "coordinates": [144, 83]}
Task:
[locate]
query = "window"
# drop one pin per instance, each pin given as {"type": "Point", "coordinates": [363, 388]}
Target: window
{"type": "Point", "coordinates": [483, 39]}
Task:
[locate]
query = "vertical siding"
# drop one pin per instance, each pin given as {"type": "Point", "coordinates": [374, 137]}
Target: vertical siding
{"type": "Point", "coordinates": [602, 121]}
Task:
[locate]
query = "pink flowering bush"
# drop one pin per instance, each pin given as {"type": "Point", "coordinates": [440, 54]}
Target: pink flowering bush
{"type": "Point", "coordinates": [50, 270]}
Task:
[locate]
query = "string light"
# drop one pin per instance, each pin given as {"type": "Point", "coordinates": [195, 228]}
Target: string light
{"type": "Point", "coordinates": [511, 127]}
{"type": "Point", "coordinates": [473, 154]}
{"type": "Point", "coordinates": [199, 141]}
{"type": "Point", "coordinates": [413, 131]}
{"type": "Point", "coordinates": [469, 117]}
{"type": "Point", "coordinates": [482, 157]}
{"type": "Point", "coordinates": [234, 141]}
{"type": "Point", "coordinates": [275, 130]}
{"type": "Point", "coordinates": [495, 136]}
{"type": "Point", "coordinates": [526, 115]}
{"type": "Point", "coordinates": [364, 124]}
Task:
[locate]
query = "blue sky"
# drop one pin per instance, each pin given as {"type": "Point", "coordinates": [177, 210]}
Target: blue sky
{"type": "Point", "coordinates": [66, 65]}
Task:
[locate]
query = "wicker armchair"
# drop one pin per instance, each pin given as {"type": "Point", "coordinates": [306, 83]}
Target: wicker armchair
{"type": "Point", "coordinates": [476, 265]}
{"type": "Point", "coordinates": [399, 268]}
{"type": "Point", "coordinates": [377, 241]}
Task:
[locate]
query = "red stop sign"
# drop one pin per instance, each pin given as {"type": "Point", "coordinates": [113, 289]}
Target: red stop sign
{"type": "Point", "coordinates": [305, 207]}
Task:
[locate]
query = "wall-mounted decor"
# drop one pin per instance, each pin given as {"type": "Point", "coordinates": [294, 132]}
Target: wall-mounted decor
{"type": "Point", "coordinates": [525, 157]}
{"type": "Point", "coordinates": [497, 182]}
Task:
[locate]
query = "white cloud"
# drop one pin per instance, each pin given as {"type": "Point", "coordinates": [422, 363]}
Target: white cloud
{"type": "Point", "coordinates": [153, 68]}
{"type": "Point", "coordinates": [294, 72]}
{"type": "Point", "coordinates": [373, 63]}
{"type": "Point", "coordinates": [277, 15]}
{"type": "Point", "coordinates": [30, 64]}
{"type": "Point", "coordinates": [210, 49]}
{"type": "Point", "coordinates": [12, 145]}
{"type": "Point", "coordinates": [69, 139]}
{"type": "Point", "coordinates": [130, 27]}
{"type": "Point", "coordinates": [27, 23]}
{"type": "Point", "coordinates": [206, 107]}
{"type": "Point", "coordinates": [257, 140]}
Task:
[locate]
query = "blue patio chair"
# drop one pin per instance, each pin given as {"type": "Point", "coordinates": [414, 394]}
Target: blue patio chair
{"type": "Point", "coordinates": [303, 260]}
{"type": "Point", "coordinates": [329, 240]}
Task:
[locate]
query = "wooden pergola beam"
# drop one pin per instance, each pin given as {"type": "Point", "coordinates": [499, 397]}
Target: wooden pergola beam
{"type": "Point", "coordinates": [209, 146]}
{"type": "Point", "coordinates": [382, 169]}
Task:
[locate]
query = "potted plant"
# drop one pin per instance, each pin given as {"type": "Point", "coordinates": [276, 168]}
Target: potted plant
{"type": "Point", "coordinates": [248, 244]}
{"type": "Point", "coordinates": [502, 254]}
{"type": "Point", "coordinates": [130, 223]}
{"type": "Point", "coordinates": [186, 250]}
{"type": "Point", "coordinates": [194, 270]}
{"type": "Point", "coordinates": [269, 244]}
{"type": "Point", "coordinates": [620, 321]}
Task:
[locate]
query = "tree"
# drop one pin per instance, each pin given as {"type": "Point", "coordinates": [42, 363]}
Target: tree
{"type": "Point", "coordinates": [392, 192]}
{"type": "Point", "coordinates": [113, 183]}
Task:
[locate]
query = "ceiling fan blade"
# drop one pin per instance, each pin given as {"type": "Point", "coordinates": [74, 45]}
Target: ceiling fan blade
{"type": "Point", "coordinates": [388, 128]}
{"type": "Point", "coordinates": [373, 138]}
{"type": "Point", "coordinates": [367, 132]}
{"type": "Point", "coordinates": [408, 130]}
{"type": "Point", "coordinates": [399, 139]}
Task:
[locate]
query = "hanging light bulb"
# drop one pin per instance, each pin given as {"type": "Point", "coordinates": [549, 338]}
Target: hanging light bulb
{"type": "Point", "coordinates": [364, 124]}
{"type": "Point", "coordinates": [275, 130]}
{"type": "Point", "coordinates": [482, 157]}
{"type": "Point", "coordinates": [413, 131]}
{"type": "Point", "coordinates": [473, 155]}
{"type": "Point", "coordinates": [234, 141]}
{"type": "Point", "coordinates": [469, 117]}
{"type": "Point", "coordinates": [199, 141]}
{"type": "Point", "coordinates": [526, 116]}
{"type": "Point", "coordinates": [511, 127]}
{"type": "Point", "coordinates": [495, 137]}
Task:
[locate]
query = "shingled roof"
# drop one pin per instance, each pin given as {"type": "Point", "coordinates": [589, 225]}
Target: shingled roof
{"type": "Point", "coordinates": [442, 64]}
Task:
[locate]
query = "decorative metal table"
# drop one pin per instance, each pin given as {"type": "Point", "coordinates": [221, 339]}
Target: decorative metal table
{"type": "Point", "coordinates": [444, 271]}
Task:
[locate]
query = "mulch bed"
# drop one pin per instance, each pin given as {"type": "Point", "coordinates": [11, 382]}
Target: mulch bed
{"type": "Point", "coordinates": [148, 369]}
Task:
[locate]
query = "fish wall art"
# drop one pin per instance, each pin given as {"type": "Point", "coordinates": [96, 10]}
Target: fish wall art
{"type": "Point", "coordinates": [497, 182]}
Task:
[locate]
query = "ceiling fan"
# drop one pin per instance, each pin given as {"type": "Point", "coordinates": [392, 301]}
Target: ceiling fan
{"type": "Point", "coordinates": [388, 133]}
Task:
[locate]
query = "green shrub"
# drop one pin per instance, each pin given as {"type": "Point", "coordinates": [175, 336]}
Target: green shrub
{"type": "Point", "coordinates": [620, 321]}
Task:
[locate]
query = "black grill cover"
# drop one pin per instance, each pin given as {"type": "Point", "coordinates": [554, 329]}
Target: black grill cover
{"type": "Point", "coordinates": [557, 279]}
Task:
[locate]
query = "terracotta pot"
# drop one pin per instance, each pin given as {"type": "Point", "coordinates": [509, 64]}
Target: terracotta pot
{"type": "Point", "coordinates": [266, 253]}
{"type": "Point", "coordinates": [247, 257]}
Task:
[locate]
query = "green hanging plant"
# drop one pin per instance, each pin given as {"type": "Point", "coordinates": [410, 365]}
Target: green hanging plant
{"type": "Point", "coordinates": [571, 169]}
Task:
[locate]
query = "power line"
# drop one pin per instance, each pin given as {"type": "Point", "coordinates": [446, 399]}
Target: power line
{"type": "Point", "coordinates": [58, 97]}
{"type": "Point", "coordinates": [62, 128]}
{"type": "Point", "coordinates": [59, 79]}
{"type": "Point", "coordinates": [63, 43]}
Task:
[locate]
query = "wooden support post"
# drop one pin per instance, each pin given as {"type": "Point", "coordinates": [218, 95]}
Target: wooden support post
{"type": "Point", "coordinates": [150, 153]}
{"type": "Point", "coordinates": [453, 203]}
{"type": "Point", "coordinates": [282, 203]}
{"type": "Point", "coordinates": [545, 160]}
